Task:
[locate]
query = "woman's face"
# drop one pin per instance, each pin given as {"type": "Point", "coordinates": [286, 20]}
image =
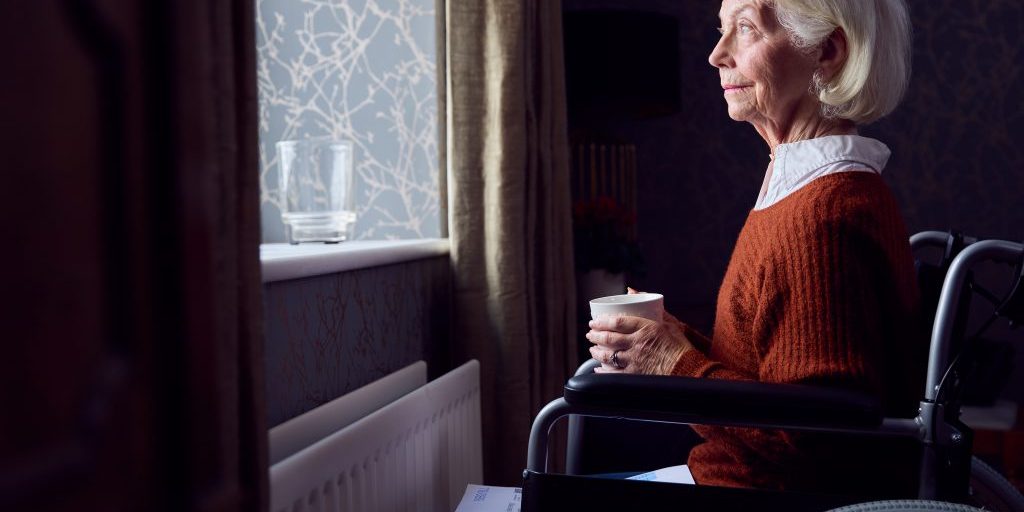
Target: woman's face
{"type": "Point", "coordinates": [765, 79]}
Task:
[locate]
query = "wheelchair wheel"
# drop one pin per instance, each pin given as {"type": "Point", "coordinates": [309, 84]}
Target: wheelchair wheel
{"type": "Point", "coordinates": [907, 506]}
{"type": "Point", "coordinates": [991, 491]}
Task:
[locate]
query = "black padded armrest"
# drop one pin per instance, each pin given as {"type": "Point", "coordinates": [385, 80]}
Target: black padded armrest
{"type": "Point", "coordinates": [725, 401]}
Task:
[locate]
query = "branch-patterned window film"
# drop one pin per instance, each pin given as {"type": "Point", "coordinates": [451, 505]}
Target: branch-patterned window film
{"type": "Point", "coordinates": [357, 70]}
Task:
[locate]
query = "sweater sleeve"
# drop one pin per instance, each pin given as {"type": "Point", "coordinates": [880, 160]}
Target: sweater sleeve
{"type": "Point", "coordinates": [819, 318]}
{"type": "Point", "coordinates": [817, 323]}
{"type": "Point", "coordinates": [696, 363]}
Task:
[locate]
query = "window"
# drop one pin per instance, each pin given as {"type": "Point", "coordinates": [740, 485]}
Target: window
{"type": "Point", "coordinates": [363, 71]}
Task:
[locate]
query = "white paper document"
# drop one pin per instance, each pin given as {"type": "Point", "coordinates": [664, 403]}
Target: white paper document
{"type": "Point", "coordinates": [671, 474]}
{"type": "Point", "coordinates": [488, 498]}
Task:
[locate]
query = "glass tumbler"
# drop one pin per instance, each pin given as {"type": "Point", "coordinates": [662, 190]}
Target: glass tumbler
{"type": "Point", "coordinates": [317, 199]}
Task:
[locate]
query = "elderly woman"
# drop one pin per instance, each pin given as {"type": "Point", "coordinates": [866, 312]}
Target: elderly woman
{"type": "Point", "coordinates": [820, 288]}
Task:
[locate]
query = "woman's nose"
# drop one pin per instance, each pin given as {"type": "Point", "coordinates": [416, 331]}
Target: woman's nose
{"type": "Point", "coordinates": [719, 57]}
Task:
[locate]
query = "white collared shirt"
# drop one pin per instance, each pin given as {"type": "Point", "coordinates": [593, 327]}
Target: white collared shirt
{"type": "Point", "coordinates": [798, 163]}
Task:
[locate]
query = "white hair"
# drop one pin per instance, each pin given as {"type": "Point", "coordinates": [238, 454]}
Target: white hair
{"type": "Point", "coordinates": [875, 75]}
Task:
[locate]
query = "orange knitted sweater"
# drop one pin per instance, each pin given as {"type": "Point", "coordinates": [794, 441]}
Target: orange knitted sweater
{"type": "Point", "coordinates": [820, 290]}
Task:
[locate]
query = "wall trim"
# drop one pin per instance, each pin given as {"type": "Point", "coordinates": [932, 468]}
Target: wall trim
{"type": "Point", "coordinates": [285, 261]}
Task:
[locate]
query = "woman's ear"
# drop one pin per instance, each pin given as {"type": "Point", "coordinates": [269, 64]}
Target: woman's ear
{"type": "Point", "coordinates": [833, 54]}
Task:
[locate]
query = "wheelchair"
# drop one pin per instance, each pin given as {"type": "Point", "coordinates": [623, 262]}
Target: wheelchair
{"type": "Point", "coordinates": [950, 477]}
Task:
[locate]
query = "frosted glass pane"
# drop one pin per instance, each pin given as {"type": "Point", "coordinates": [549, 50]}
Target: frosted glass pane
{"type": "Point", "coordinates": [358, 70]}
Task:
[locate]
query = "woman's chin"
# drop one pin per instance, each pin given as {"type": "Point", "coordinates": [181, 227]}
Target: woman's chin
{"type": "Point", "coordinates": [738, 114]}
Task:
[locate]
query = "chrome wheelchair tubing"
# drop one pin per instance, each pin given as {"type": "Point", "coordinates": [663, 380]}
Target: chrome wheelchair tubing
{"type": "Point", "coordinates": [938, 355]}
{"type": "Point", "coordinates": [537, 450]}
{"type": "Point", "coordinates": [938, 239]}
{"type": "Point", "coordinates": [587, 367]}
{"type": "Point", "coordinates": [575, 445]}
{"type": "Point", "coordinates": [928, 239]}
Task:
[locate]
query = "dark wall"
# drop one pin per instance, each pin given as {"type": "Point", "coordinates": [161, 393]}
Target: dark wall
{"type": "Point", "coordinates": [958, 157]}
{"type": "Point", "coordinates": [328, 335]}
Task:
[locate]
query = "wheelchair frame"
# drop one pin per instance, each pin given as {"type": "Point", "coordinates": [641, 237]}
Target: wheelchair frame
{"type": "Point", "coordinates": [946, 441]}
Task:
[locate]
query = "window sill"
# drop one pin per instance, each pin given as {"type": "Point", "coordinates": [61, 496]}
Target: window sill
{"type": "Point", "coordinates": [281, 262]}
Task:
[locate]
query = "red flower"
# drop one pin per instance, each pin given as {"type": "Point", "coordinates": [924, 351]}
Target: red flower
{"type": "Point", "coordinates": [603, 233]}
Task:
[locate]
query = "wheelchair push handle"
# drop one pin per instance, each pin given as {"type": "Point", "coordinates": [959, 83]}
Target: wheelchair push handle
{"type": "Point", "coordinates": [949, 301]}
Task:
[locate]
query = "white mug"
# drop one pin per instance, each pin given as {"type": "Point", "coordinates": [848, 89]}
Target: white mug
{"type": "Point", "coordinates": [646, 305]}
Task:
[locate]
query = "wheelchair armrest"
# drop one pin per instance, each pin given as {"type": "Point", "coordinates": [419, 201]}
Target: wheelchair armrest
{"type": "Point", "coordinates": [725, 401]}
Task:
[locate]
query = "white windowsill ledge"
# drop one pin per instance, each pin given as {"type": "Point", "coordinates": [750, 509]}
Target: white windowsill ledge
{"type": "Point", "coordinates": [280, 262]}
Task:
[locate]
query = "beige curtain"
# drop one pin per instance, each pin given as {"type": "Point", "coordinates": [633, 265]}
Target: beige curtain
{"type": "Point", "coordinates": [506, 159]}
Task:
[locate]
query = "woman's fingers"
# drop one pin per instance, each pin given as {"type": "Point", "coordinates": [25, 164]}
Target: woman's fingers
{"type": "Point", "coordinates": [615, 332]}
{"type": "Point", "coordinates": [638, 345]}
{"type": "Point", "coordinates": [623, 324]}
{"type": "Point", "coordinates": [610, 359]}
{"type": "Point", "coordinates": [610, 339]}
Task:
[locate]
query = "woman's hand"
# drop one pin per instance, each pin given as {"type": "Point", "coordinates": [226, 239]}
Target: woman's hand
{"type": "Point", "coordinates": [636, 344]}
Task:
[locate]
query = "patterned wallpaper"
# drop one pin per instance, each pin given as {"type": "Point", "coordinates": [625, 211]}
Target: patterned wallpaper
{"type": "Point", "coordinates": [330, 334]}
{"type": "Point", "coordinates": [958, 160]}
{"type": "Point", "coordinates": [360, 70]}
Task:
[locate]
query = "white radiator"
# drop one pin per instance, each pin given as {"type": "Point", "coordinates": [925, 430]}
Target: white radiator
{"type": "Point", "coordinates": [305, 429]}
{"type": "Point", "coordinates": [416, 453]}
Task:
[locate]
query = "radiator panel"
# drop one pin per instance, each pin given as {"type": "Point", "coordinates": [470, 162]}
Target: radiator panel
{"type": "Point", "coordinates": [416, 453]}
{"type": "Point", "coordinates": [297, 433]}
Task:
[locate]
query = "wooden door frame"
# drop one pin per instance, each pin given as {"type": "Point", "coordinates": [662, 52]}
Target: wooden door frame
{"type": "Point", "coordinates": [173, 415]}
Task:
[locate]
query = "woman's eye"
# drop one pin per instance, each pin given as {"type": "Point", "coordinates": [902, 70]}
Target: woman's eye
{"type": "Point", "coordinates": [744, 30]}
